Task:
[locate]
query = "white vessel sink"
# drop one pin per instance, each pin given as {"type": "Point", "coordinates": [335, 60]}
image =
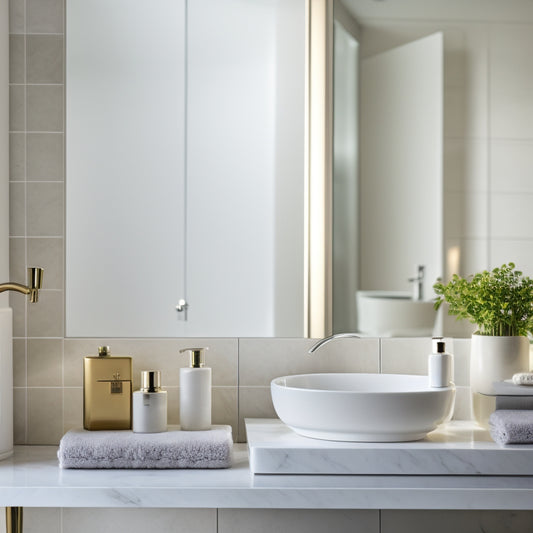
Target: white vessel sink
{"type": "Point", "coordinates": [361, 407]}
{"type": "Point", "coordinates": [394, 314]}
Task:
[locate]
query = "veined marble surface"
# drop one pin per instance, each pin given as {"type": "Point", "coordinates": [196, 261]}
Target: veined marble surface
{"type": "Point", "coordinates": [456, 448]}
{"type": "Point", "coordinates": [32, 478]}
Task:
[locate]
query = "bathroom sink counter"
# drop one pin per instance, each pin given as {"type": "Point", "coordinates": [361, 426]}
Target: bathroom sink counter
{"type": "Point", "coordinates": [459, 448]}
{"type": "Point", "coordinates": [32, 478]}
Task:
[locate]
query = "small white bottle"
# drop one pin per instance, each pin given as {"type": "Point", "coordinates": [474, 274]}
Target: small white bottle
{"type": "Point", "coordinates": [150, 404]}
{"type": "Point", "coordinates": [440, 365]}
{"type": "Point", "coordinates": [195, 392]}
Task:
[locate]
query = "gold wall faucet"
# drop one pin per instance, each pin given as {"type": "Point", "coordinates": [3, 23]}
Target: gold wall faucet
{"type": "Point", "coordinates": [35, 282]}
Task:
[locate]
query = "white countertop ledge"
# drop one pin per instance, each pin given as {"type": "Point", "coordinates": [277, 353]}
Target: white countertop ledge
{"type": "Point", "coordinates": [457, 448]}
{"type": "Point", "coordinates": [32, 478]}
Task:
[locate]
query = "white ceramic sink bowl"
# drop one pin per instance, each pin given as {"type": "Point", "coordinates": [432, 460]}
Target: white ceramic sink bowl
{"type": "Point", "coordinates": [394, 314]}
{"type": "Point", "coordinates": [361, 407]}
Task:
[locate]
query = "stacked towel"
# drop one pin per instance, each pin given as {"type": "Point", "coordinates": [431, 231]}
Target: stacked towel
{"type": "Point", "coordinates": [511, 426]}
{"type": "Point", "coordinates": [124, 449]}
{"type": "Point", "coordinates": [514, 402]}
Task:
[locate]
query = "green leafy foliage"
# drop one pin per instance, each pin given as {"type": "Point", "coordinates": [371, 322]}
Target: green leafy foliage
{"type": "Point", "coordinates": [499, 302]}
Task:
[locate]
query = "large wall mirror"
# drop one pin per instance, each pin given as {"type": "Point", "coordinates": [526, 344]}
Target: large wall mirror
{"type": "Point", "coordinates": [186, 158]}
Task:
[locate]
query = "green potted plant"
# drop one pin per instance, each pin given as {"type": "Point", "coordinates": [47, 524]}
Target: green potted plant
{"type": "Point", "coordinates": [500, 303]}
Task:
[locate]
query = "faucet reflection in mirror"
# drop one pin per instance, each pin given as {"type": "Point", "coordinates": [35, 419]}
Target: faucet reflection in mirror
{"type": "Point", "coordinates": [418, 283]}
{"type": "Point", "coordinates": [35, 282]}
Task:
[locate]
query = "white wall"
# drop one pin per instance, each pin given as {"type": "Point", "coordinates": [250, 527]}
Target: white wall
{"type": "Point", "coordinates": [125, 162]}
{"type": "Point", "coordinates": [488, 136]}
{"type": "Point", "coordinates": [245, 168]}
{"type": "Point", "coordinates": [401, 165]}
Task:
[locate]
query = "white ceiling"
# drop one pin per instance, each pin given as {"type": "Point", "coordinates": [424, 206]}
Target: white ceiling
{"type": "Point", "coordinates": [471, 10]}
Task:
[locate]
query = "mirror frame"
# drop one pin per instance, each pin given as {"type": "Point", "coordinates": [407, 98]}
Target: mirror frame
{"type": "Point", "coordinates": [319, 161]}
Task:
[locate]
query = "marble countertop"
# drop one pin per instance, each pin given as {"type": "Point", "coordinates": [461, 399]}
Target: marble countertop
{"type": "Point", "coordinates": [32, 478]}
{"type": "Point", "coordinates": [456, 448]}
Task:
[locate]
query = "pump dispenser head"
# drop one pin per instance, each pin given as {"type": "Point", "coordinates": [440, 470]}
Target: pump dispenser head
{"type": "Point", "coordinates": [438, 345]}
{"type": "Point", "coordinates": [150, 381]}
{"type": "Point", "coordinates": [197, 356]}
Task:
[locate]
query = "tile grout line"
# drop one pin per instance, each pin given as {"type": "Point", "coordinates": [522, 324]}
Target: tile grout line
{"type": "Point", "coordinates": [46, 180]}
{"type": "Point", "coordinates": [63, 221]}
{"type": "Point", "coordinates": [64, 181]}
{"type": "Point", "coordinates": [489, 146]}
{"type": "Point", "coordinates": [38, 132]}
{"type": "Point", "coordinates": [37, 85]}
{"type": "Point", "coordinates": [238, 389]}
{"type": "Point", "coordinates": [25, 107]}
{"type": "Point", "coordinates": [63, 384]}
{"type": "Point", "coordinates": [37, 34]}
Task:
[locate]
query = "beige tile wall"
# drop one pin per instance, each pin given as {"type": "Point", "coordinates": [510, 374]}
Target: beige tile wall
{"type": "Point", "coordinates": [36, 213]}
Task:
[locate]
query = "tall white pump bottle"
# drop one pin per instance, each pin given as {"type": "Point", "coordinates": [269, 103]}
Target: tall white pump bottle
{"type": "Point", "coordinates": [440, 365]}
{"type": "Point", "coordinates": [195, 392]}
{"type": "Point", "coordinates": [440, 372]}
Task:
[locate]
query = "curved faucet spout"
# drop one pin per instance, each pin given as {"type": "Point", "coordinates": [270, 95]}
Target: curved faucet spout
{"type": "Point", "coordinates": [35, 282]}
{"type": "Point", "coordinates": [325, 340]}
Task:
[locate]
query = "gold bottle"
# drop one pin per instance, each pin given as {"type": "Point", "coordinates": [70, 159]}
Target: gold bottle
{"type": "Point", "coordinates": [107, 388]}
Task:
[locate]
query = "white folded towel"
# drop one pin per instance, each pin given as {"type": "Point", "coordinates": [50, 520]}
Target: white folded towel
{"type": "Point", "coordinates": [511, 426]}
{"type": "Point", "coordinates": [212, 448]}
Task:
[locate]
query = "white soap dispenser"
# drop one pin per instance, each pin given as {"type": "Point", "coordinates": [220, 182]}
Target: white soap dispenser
{"type": "Point", "coordinates": [440, 365]}
{"type": "Point", "coordinates": [150, 404]}
{"type": "Point", "coordinates": [195, 392]}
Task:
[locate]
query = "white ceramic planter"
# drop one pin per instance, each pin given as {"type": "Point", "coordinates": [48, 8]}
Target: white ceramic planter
{"type": "Point", "coordinates": [494, 359]}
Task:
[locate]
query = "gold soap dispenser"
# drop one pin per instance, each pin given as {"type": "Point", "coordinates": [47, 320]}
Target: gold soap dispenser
{"type": "Point", "coordinates": [107, 390]}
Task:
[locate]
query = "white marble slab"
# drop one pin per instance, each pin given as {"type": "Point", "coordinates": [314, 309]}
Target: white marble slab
{"type": "Point", "coordinates": [508, 388]}
{"type": "Point", "coordinates": [32, 478]}
{"type": "Point", "coordinates": [457, 448]}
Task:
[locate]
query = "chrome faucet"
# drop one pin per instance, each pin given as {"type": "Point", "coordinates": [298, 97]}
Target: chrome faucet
{"type": "Point", "coordinates": [418, 283]}
{"type": "Point", "coordinates": [35, 282]}
{"type": "Point", "coordinates": [325, 340]}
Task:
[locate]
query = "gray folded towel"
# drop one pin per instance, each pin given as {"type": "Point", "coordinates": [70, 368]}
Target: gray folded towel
{"type": "Point", "coordinates": [124, 449]}
{"type": "Point", "coordinates": [511, 426]}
